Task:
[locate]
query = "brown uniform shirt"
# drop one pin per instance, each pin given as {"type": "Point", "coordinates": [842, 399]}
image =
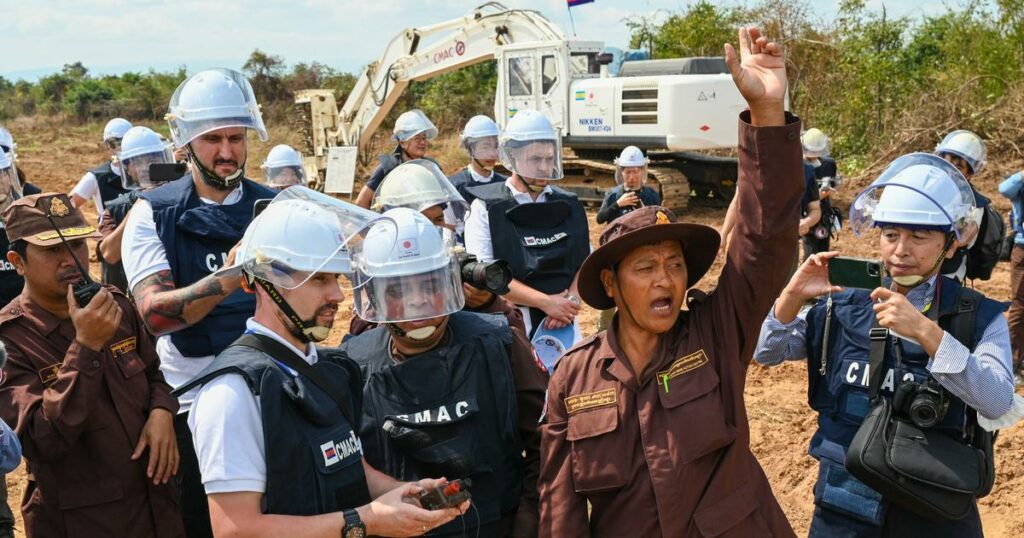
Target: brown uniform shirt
{"type": "Point", "coordinates": [79, 414]}
{"type": "Point", "coordinates": [669, 455]}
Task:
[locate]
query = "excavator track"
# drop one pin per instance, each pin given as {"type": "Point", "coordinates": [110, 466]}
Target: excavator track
{"type": "Point", "coordinates": [589, 179]}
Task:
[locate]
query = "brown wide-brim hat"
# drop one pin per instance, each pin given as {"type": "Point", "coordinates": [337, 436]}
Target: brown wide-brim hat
{"type": "Point", "coordinates": [646, 226]}
{"type": "Point", "coordinates": [37, 218]}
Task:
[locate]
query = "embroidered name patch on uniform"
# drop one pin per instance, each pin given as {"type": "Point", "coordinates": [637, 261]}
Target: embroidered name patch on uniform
{"type": "Point", "coordinates": [590, 400]}
{"type": "Point", "coordinates": [49, 374]}
{"type": "Point", "coordinates": [684, 365]}
{"type": "Point", "coordinates": [124, 346]}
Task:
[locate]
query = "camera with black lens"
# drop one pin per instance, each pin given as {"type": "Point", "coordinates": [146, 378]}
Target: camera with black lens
{"type": "Point", "coordinates": [491, 276]}
{"type": "Point", "coordinates": [925, 403]}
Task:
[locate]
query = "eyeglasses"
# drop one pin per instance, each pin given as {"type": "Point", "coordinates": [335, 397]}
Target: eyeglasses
{"type": "Point", "coordinates": [113, 143]}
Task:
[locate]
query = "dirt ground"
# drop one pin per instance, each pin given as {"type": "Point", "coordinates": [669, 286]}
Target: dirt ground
{"type": "Point", "coordinates": [54, 156]}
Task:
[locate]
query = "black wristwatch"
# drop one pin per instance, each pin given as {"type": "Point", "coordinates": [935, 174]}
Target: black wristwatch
{"type": "Point", "coordinates": [354, 527]}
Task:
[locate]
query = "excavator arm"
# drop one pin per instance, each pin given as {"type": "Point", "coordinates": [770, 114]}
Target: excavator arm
{"type": "Point", "coordinates": [422, 53]}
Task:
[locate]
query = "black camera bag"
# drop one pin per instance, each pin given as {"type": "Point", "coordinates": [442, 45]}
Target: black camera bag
{"type": "Point", "coordinates": [922, 470]}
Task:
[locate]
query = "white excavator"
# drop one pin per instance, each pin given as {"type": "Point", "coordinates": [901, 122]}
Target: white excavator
{"type": "Point", "coordinates": [676, 109]}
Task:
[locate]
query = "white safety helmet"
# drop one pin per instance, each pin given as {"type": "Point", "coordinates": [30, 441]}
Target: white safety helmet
{"type": "Point", "coordinates": [283, 167]}
{"type": "Point", "coordinates": [631, 157]}
{"type": "Point", "coordinates": [418, 184]}
{"type": "Point", "coordinates": [815, 143]}
{"type": "Point", "coordinates": [210, 100]}
{"type": "Point", "coordinates": [411, 123]}
{"type": "Point", "coordinates": [7, 144]}
{"type": "Point", "coordinates": [412, 278]}
{"type": "Point", "coordinates": [141, 147]}
{"type": "Point", "coordinates": [10, 185]}
{"type": "Point", "coordinates": [480, 138]}
{"type": "Point", "coordinates": [531, 147]}
{"type": "Point", "coordinates": [966, 145]}
{"type": "Point", "coordinates": [115, 129]}
{"type": "Point", "coordinates": [918, 190]}
{"type": "Point", "coordinates": [300, 233]}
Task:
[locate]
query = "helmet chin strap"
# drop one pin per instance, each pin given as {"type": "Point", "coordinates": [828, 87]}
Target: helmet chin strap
{"type": "Point", "coordinates": [912, 281]}
{"type": "Point", "coordinates": [305, 330]}
{"type": "Point", "coordinates": [420, 339]}
{"type": "Point", "coordinates": [211, 178]}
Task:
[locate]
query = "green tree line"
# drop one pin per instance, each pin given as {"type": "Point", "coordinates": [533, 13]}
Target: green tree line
{"type": "Point", "coordinates": [864, 76]}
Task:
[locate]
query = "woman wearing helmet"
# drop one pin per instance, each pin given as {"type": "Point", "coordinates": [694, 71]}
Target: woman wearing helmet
{"type": "Point", "coordinates": [448, 392]}
{"type": "Point", "coordinates": [103, 183]}
{"type": "Point", "coordinates": [539, 229]}
{"type": "Point", "coordinates": [631, 191]}
{"type": "Point", "coordinates": [283, 168]}
{"type": "Point", "coordinates": [921, 206]}
{"type": "Point", "coordinates": [413, 133]}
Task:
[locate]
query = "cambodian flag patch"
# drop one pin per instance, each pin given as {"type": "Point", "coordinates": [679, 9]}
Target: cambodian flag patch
{"type": "Point", "coordinates": [330, 453]}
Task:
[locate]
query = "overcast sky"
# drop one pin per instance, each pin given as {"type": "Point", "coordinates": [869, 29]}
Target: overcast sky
{"type": "Point", "coordinates": [39, 36]}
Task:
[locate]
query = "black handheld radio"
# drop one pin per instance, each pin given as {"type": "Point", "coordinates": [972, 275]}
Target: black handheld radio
{"type": "Point", "coordinates": [85, 290]}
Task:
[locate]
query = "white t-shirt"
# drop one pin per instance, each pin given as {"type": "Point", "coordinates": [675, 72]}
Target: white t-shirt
{"type": "Point", "coordinates": [88, 187]}
{"type": "Point", "coordinates": [227, 429]}
{"type": "Point", "coordinates": [143, 254]}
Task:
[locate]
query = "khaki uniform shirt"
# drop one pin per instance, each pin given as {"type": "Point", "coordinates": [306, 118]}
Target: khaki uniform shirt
{"type": "Point", "coordinates": [79, 414]}
{"type": "Point", "coordinates": [668, 454]}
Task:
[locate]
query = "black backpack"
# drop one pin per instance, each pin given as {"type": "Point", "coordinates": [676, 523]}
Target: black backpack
{"type": "Point", "coordinates": [984, 255]}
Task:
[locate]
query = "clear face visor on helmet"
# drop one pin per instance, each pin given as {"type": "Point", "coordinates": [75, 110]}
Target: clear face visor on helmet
{"type": "Point", "coordinates": [303, 232]}
{"type": "Point", "coordinates": [429, 294]}
{"type": "Point", "coordinates": [918, 190]}
{"type": "Point", "coordinates": [134, 171]}
{"type": "Point", "coordinates": [207, 102]}
{"type": "Point", "coordinates": [10, 185]}
{"type": "Point", "coordinates": [416, 188]}
{"type": "Point", "coordinates": [533, 159]}
{"type": "Point", "coordinates": [282, 177]}
{"type": "Point", "coordinates": [632, 177]}
{"type": "Point", "coordinates": [483, 148]}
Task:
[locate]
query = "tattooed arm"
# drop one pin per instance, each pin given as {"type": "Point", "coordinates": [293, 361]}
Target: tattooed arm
{"type": "Point", "coordinates": [166, 309]}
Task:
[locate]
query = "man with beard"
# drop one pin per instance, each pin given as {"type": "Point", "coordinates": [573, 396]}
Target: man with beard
{"type": "Point", "coordinates": [83, 390]}
{"type": "Point", "coordinates": [177, 235]}
{"type": "Point", "coordinates": [275, 419]}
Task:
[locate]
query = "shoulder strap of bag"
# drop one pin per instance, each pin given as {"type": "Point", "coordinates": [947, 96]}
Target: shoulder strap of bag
{"type": "Point", "coordinates": [291, 359]}
{"type": "Point", "coordinates": [879, 336]}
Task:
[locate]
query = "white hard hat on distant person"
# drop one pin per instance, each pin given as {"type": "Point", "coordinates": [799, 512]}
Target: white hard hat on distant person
{"type": "Point", "coordinates": [411, 123]}
{"type": "Point", "coordinates": [418, 184]}
{"type": "Point", "coordinates": [141, 147]}
{"type": "Point", "coordinates": [480, 127]}
{"type": "Point", "coordinates": [7, 144]}
{"type": "Point", "coordinates": [814, 142]}
{"type": "Point", "coordinates": [526, 129]}
{"type": "Point", "coordinates": [631, 156]}
{"type": "Point", "coordinates": [115, 129]}
{"type": "Point", "coordinates": [966, 145]}
{"type": "Point", "coordinates": [283, 167]}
